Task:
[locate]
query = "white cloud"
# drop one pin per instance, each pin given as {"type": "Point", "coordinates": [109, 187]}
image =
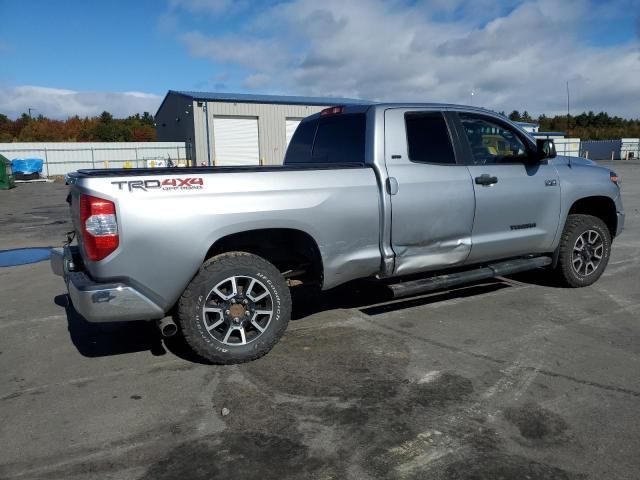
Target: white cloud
{"type": "Point", "coordinates": [512, 54]}
{"type": "Point", "coordinates": [210, 6]}
{"type": "Point", "coordinates": [236, 49]}
{"type": "Point", "coordinates": [214, 8]}
{"type": "Point", "coordinates": [256, 80]}
{"type": "Point", "coordinates": [60, 103]}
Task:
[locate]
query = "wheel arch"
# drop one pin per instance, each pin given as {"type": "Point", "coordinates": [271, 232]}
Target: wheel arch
{"type": "Point", "coordinates": [293, 251]}
{"type": "Point", "coordinates": [599, 206]}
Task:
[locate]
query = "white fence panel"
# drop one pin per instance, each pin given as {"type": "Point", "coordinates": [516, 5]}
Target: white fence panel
{"type": "Point", "coordinates": [567, 146]}
{"type": "Point", "coordinates": [63, 157]}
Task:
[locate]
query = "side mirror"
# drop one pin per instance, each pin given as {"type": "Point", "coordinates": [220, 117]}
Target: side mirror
{"type": "Point", "coordinates": [545, 148]}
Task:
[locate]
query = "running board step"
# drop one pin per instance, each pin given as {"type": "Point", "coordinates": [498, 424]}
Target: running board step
{"type": "Point", "coordinates": [508, 267]}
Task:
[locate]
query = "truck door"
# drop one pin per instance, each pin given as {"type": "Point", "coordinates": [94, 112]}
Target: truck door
{"type": "Point", "coordinates": [517, 200]}
{"type": "Point", "coordinates": [431, 191]}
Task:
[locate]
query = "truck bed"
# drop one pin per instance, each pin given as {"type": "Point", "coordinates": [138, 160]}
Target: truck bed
{"type": "Point", "coordinates": [136, 172]}
{"type": "Point", "coordinates": [182, 224]}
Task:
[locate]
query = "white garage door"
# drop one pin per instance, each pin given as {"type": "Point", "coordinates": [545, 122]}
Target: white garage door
{"type": "Point", "coordinates": [236, 141]}
{"type": "Point", "coordinates": [291, 125]}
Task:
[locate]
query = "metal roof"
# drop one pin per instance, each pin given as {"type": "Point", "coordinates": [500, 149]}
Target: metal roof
{"type": "Point", "coordinates": [548, 134]}
{"type": "Point", "coordinates": [316, 101]}
{"type": "Point", "coordinates": [275, 99]}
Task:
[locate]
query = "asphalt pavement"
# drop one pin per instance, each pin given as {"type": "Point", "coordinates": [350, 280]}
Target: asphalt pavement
{"type": "Point", "coordinates": [511, 379]}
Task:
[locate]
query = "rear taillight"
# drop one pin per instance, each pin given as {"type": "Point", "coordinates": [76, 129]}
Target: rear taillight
{"type": "Point", "coordinates": [99, 227]}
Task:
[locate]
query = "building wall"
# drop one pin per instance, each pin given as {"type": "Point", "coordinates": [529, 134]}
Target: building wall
{"type": "Point", "coordinates": [174, 122]}
{"type": "Point", "coordinates": [528, 127]}
{"type": "Point", "coordinates": [271, 126]}
{"type": "Point", "coordinates": [200, 132]}
{"type": "Point", "coordinates": [630, 148]}
{"type": "Point", "coordinates": [569, 147]}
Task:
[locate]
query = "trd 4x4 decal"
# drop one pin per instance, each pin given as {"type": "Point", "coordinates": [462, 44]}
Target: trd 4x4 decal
{"type": "Point", "coordinates": [194, 183]}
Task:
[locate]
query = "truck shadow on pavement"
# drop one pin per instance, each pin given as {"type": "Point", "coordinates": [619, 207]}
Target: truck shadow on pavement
{"type": "Point", "coordinates": [375, 299]}
{"type": "Point", "coordinates": [116, 338]}
{"type": "Point", "coordinates": [370, 298]}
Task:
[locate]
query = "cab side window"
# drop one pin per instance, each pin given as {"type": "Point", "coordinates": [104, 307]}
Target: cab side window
{"type": "Point", "coordinates": [493, 143]}
{"type": "Point", "coordinates": [428, 138]}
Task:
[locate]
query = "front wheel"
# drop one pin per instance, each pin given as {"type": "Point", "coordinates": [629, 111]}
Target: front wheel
{"type": "Point", "coordinates": [235, 309]}
{"type": "Point", "coordinates": [585, 248]}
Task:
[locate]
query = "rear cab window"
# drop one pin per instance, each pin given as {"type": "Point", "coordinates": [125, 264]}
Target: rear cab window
{"type": "Point", "coordinates": [428, 139]}
{"type": "Point", "coordinates": [329, 139]}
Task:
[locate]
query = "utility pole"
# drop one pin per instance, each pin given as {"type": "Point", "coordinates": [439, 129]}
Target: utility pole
{"type": "Point", "coordinates": [568, 105]}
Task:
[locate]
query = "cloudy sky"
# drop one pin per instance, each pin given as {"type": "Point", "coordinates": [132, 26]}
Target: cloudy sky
{"type": "Point", "coordinates": [78, 57]}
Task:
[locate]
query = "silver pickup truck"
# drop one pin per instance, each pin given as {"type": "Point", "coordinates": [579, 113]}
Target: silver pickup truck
{"type": "Point", "coordinates": [381, 191]}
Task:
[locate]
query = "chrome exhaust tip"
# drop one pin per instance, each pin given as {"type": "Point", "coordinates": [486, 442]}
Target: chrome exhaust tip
{"type": "Point", "coordinates": [168, 327]}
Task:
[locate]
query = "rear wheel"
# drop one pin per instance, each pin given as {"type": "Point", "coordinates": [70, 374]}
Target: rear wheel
{"type": "Point", "coordinates": [235, 309]}
{"type": "Point", "coordinates": [585, 248]}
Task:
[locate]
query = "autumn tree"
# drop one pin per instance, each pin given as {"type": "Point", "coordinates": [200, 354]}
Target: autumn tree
{"type": "Point", "coordinates": [6, 129]}
{"type": "Point", "coordinates": [141, 127]}
{"type": "Point", "coordinates": [109, 130]}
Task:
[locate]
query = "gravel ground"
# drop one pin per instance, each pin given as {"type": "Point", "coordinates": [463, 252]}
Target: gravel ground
{"type": "Point", "coordinates": [510, 379]}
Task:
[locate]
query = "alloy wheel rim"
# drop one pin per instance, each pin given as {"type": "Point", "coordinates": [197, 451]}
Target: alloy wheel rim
{"type": "Point", "coordinates": [587, 253]}
{"type": "Point", "coordinates": [238, 310]}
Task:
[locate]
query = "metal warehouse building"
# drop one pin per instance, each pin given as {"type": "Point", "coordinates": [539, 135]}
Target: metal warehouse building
{"type": "Point", "coordinates": [235, 129]}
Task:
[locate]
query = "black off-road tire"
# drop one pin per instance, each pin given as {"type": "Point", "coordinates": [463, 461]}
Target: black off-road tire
{"type": "Point", "coordinates": [215, 270]}
{"type": "Point", "coordinates": [576, 226]}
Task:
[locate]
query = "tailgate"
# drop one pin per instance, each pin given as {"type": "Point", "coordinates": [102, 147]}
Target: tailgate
{"type": "Point", "coordinates": [73, 199]}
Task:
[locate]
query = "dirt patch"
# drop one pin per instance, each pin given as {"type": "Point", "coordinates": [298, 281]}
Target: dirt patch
{"type": "Point", "coordinates": [444, 389]}
{"type": "Point", "coordinates": [536, 423]}
{"type": "Point", "coordinates": [504, 467]}
{"type": "Point", "coordinates": [339, 362]}
{"type": "Point", "coordinates": [248, 456]}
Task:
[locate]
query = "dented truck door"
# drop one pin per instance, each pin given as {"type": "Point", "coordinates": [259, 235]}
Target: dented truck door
{"type": "Point", "coordinates": [517, 196]}
{"type": "Point", "coordinates": [431, 191]}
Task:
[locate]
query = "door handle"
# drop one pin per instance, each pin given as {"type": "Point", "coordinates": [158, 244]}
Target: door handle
{"type": "Point", "coordinates": [486, 179]}
{"type": "Point", "coordinates": [392, 185]}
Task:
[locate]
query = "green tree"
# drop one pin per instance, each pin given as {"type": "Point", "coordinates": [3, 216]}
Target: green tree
{"type": "Point", "coordinates": [106, 117]}
{"type": "Point", "coordinates": [6, 129]}
{"type": "Point", "coordinates": [147, 119]}
{"type": "Point", "coordinates": [107, 129]}
{"type": "Point", "coordinates": [514, 116]}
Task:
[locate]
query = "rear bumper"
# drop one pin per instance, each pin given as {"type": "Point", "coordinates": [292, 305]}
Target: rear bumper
{"type": "Point", "coordinates": [101, 302]}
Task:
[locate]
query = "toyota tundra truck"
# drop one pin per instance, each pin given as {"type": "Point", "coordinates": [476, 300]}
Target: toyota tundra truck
{"type": "Point", "coordinates": [383, 191]}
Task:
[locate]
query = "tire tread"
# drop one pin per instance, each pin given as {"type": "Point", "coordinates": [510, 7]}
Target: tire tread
{"type": "Point", "coordinates": [564, 270]}
{"type": "Point", "coordinates": [224, 262]}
